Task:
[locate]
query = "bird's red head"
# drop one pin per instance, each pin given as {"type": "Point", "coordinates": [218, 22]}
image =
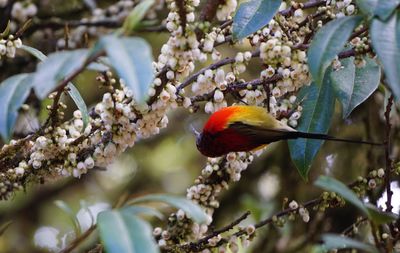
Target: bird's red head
{"type": "Point", "coordinates": [218, 138]}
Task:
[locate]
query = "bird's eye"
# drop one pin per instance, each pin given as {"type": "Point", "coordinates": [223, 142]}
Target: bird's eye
{"type": "Point", "coordinates": [198, 139]}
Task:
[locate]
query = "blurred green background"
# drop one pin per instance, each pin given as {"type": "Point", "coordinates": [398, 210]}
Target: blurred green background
{"type": "Point", "coordinates": [169, 163]}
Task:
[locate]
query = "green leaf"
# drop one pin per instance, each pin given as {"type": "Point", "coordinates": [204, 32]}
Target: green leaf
{"type": "Point", "coordinates": [67, 210]}
{"type": "Point", "coordinates": [135, 17]}
{"type": "Point", "coordinates": [6, 31]}
{"type": "Point", "coordinates": [385, 38]}
{"type": "Point", "coordinates": [132, 59]}
{"type": "Point", "coordinates": [13, 93]}
{"type": "Point", "coordinates": [354, 85]}
{"type": "Point", "coordinates": [327, 43]}
{"type": "Point", "coordinates": [333, 241]}
{"type": "Point", "coordinates": [137, 210]}
{"type": "Point", "coordinates": [35, 52]}
{"type": "Point", "coordinates": [191, 209]}
{"type": "Point", "coordinates": [373, 213]}
{"type": "Point", "coordinates": [121, 231]}
{"type": "Point", "coordinates": [378, 216]}
{"type": "Point", "coordinates": [80, 103]}
{"type": "Point", "coordinates": [55, 68]}
{"type": "Point", "coordinates": [4, 227]}
{"type": "Point", "coordinates": [318, 108]}
{"type": "Point", "coordinates": [331, 184]}
{"type": "Point", "coordinates": [72, 90]}
{"type": "Point", "coordinates": [253, 15]}
{"type": "Point", "coordinates": [381, 8]}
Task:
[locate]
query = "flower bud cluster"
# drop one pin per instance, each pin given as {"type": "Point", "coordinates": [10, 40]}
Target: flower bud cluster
{"type": "Point", "coordinates": [3, 3]}
{"type": "Point", "coordinates": [22, 11]}
{"type": "Point", "coordinates": [330, 200]}
{"type": "Point", "coordinates": [225, 10]}
{"type": "Point", "coordinates": [338, 9]}
{"type": "Point", "coordinates": [8, 47]}
{"type": "Point", "coordinates": [116, 12]}
{"type": "Point", "coordinates": [281, 58]}
{"type": "Point", "coordinates": [235, 244]}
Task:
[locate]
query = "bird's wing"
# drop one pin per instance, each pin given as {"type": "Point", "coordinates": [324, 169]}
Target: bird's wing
{"type": "Point", "coordinates": [263, 135]}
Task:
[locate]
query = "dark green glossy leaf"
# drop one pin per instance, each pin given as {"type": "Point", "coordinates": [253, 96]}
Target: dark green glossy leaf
{"type": "Point", "coordinates": [327, 43]}
{"type": "Point", "coordinates": [55, 68]}
{"type": "Point", "coordinates": [253, 15]}
{"type": "Point", "coordinates": [378, 216]}
{"type": "Point", "coordinates": [80, 103]}
{"type": "Point", "coordinates": [121, 231]}
{"type": "Point", "coordinates": [132, 59]}
{"type": "Point", "coordinates": [385, 38]}
{"type": "Point", "coordinates": [71, 215]}
{"type": "Point", "coordinates": [135, 17]}
{"type": "Point", "coordinates": [318, 108]}
{"type": "Point", "coordinates": [354, 85]}
{"type": "Point", "coordinates": [333, 241]}
{"type": "Point", "coordinates": [13, 93]}
{"type": "Point", "coordinates": [331, 184]}
{"type": "Point", "coordinates": [381, 8]}
{"type": "Point", "coordinates": [191, 209]}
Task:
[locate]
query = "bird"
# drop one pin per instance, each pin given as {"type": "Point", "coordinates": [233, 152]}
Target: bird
{"type": "Point", "coordinates": [246, 128]}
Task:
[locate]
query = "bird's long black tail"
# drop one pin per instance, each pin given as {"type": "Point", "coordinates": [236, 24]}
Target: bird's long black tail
{"type": "Point", "coordinates": [295, 135]}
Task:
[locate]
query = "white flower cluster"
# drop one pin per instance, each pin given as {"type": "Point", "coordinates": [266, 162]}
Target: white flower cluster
{"type": "Point", "coordinates": [223, 171]}
{"type": "Point", "coordinates": [213, 179]}
{"type": "Point", "coordinates": [118, 124]}
{"type": "Point", "coordinates": [339, 8]}
{"type": "Point", "coordinates": [225, 10]}
{"type": "Point", "coordinates": [116, 12]}
{"type": "Point", "coordinates": [22, 11]}
{"type": "Point", "coordinates": [281, 58]}
{"type": "Point", "coordinates": [3, 3]}
{"type": "Point", "coordinates": [8, 47]}
{"type": "Point", "coordinates": [304, 214]}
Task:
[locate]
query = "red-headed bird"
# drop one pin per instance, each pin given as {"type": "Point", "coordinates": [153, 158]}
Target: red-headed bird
{"type": "Point", "coordinates": [246, 128]}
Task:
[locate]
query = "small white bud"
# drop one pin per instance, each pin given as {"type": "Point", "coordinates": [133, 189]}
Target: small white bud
{"type": "Point", "coordinates": [209, 107]}
{"type": "Point", "coordinates": [250, 229]}
{"type": "Point", "coordinates": [293, 205]}
{"type": "Point", "coordinates": [89, 162]}
{"type": "Point", "coordinates": [170, 75]}
{"type": "Point", "coordinates": [187, 102]}
{"type": "Point", "coordinates": [247, 55]}
{"type": "Point", "coordinates": [298, 13]}
{"type": "Point", "coordinates": [239, 57]}
{"type": "Point", "coordinates": [19, 171]}
{"type": "Point", "coordinates": [157, 231]}
{"type": "Point", "coordinates": [306, 218]}
{"type": "Point", "coordinates": [190, 17]}
{"type": "Point", "coordinates": [218, 96]}
{"type": "Point", "coordinates": [381, 172]}
{"type": "Point", "coordinates": [164, 95]}
{"type": "Point", "coordinates": [350, 9]}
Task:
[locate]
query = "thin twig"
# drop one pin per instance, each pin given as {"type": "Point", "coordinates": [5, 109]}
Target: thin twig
{"type": "Point", "coordinates": [214, 66]}
{"type": "Point", "coordinates": [182, 14]}
{"type": "Point", "coordinates": [195, 246]}
{"type": "Point", "coordinates": [210, 9]}
{"type": "Point", "coordinates": [389, 164]}
{"type": "Point", "coordinates": [78, 240]}
{"type": "Point", "coordinates": [253, 84]}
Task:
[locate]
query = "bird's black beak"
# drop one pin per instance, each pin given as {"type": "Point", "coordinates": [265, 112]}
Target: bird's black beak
{"type": "Point", "coordinates": [196, 133]}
